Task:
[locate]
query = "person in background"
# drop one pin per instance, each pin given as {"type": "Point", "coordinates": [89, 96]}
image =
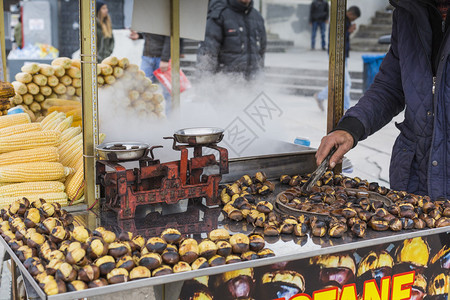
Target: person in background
{"type": "Point", "coordinates": [235, 39]}
{"type": "Point", "coordinates": [318, 17]}
{"type": "Point", "coordinates": [352, 14]}
{"type": "Point", "coordinates": [105, 38]}
{"type": "Point", "coordinates": [18, 32]}
{"type": "Point", "coordinates": [413, 77]}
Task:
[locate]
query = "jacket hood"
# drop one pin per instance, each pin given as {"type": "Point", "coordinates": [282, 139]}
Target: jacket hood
{"type": "Point", "coordinates": [238, 6]}
{"type": "Point", "coordinates": [216, 5]}
{"type": "Point", "coordinates": [403, 3]}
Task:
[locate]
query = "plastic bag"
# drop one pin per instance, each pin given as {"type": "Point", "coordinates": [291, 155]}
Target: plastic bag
{"type": "Point", "coordinates": [165, 78]}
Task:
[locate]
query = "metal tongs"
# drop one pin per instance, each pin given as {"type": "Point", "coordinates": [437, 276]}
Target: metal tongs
{"type": "Point", "coordinates": [318, 173]}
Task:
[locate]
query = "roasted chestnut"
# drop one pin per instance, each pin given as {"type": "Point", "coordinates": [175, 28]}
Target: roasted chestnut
{"type": "Point", "coordinates": [181, 267]}
{"type": "Point", "coordinates": [337, 229]}
{"type": "Point", "coordinates": [54, 287]}
{"type": "Point", "coordinates": [89, 273]}
{"type": "Point", "coordinates": [81, 234]}
{"type": "Point", "coordinates": [125, 262]}
{"type": "Point", "coordinates": [140, 272]}
{"type": "Point", "coordinates": [170, 256]}
{"type": "Point", "coordinates": [35, 240]}
{"type": "Point", "coordinates": [378, 224]}
{"type": "Point", "coordinates": [207, 249]}
{"type": "Point", "coordinates": [395, 224]}
{"type": "Point", "coordinates": [442, 222]}
{"type": "Point", "coordinates": [219, 235]}
{"type": "Point", "coordinates": [53, 265]}
{"type": "Point", "coordinates": [265, 253]}
{"type": "Point", "coordinates": [156, 244]}
{"type": "Point", "coordinates": [105, 264]}
{"type": "Point", "coordinates": [77, 257]}
{"type": "Point", "coordinates": [55, 254]}
{"type": "Point", "coordinates": [97, 248]}
{"type": "Point", "coordinates": [240, 243]}
{"type": "Point", "coordinates": [260, 177]}
{"type": "Point", "coordinates": [98, 283]}
{"type": "Point", "coordinates": [232, 259]}
{"type": "Point", "coordinates": [66, 272]}
{"type": "Point", "coordinates": [188, 250]}
{"type": "Point", "coordinates": [59, 234]}
{"type": "Point", "coordinates": [285, 179]}
{"type": "Point", "coordinates": [117, 275]}
{"type": "Point", "coordinates": [264, 207]}
{"type": "Point", "coordinates": [118, 249]}
{"type": "Point", "coordinates": [216, 260]}
{"type": "Point", "coordinates": [249, 255]}
{"type": "Point", "coordinates": [47, 210]}
{"type": "Point", "coordinates": [200, 263]}
{"type": "Point", "coordinates": [25, 252]}
{"type": "Point", "coordinates": [171, 235]}
{"type": "Point", "coordinates": [150, 260]}
{"type": "Point", "coordinates": [163, 270]}
{"type": "Point", "coordinates": [76, 285]}
{"type": "Point", "coordinates": [256, 242]}
{"type": "Point", "coordinates": [139, 241]}
{"type": "Point", "coordinates": [32, 217]}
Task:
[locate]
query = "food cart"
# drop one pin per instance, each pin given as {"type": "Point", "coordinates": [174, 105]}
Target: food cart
{"type": "Point", "coordinates": [411, 263]}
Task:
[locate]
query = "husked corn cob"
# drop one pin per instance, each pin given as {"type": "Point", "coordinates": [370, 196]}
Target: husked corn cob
{"type": "Point", "coordinates": [16, 119]}
{"type": "Point", "coordinates": [69, 133]}
{"type": "Point", "coordinates": [63, 147]}
{"type": "Point", "coordinates": [43, 154]}
{"type": "Point", "coordinates": [71, 152]}
{"type": "Point", "coordinates": [49, 118]}
{"type": "Point", "coordinates": [76, 158]}
{"type": "Point", "coordinates": [34, 171]}
{"type": "Point", "coordinates": [21, 128]}
{"type": "Point", "coordinates": [66, 123]}
{"type": "Point", "coordinates": [60, 198]}
{"type": "Point", "coordinates": [29, 140]}
{"type": "Point", "coordinates": [74, 185]}
{"type": "Point", "coordinates": [34, 187]}
{"type": "Point", "coordinates": [54, 122]}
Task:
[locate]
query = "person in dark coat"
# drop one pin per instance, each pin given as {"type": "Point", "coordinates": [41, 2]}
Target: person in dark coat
{"type": "Point", "coordinates": [105, 38]}
{"type": "Point", "coordinates": [235, 39]}
{"type": "Point", "coordinates": [318, 18]}
{"type": "Point", "coordinates": [413, 77]}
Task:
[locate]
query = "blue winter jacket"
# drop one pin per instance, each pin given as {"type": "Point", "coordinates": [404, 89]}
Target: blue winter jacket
{"type": "Point", "coordinates": [420, 161]}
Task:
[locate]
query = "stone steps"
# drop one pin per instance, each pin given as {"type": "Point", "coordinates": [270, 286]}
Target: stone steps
{"type": "Point", "coordinates": [366, 38]}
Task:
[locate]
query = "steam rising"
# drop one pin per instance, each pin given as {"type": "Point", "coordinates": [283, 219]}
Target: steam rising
{"type": "Point", "coordinates": [213, 101]}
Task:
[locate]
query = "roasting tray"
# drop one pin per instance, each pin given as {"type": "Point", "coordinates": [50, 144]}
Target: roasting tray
{"type": "Point", "coordinates": [199, 135]}
{"type": "Point", "coordinates": [284, 209]}
{"type": "Point", "coordinates": [122, 155]}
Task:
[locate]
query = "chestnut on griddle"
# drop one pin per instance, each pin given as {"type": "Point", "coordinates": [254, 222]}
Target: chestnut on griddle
{"type": "Point", "coordinates": [81, 234]}
{"type": "Point", "coordinates": [139, 241]}
{"type": "Point", "coordinates": [256, 242]}
{"type": "Point", "coordinates": [156, 244]}
{"type": "Point", "coordinates": [117, 249]}
{"type": "Point", "coordinates": [105, 264]}
{"type": "Point", "coordinates": [97, 248]}
{"type": "Point", "coordinates": [125, 262]}
{"type": "Point", "coordinates": [89, 273]}
{"type": "Point", "coordinates": [59, 234]}
{"type": "Point", "coordinates": [181, 267]}
{"type": "Point", "coordinates": [207, 249]}
{"type": "Point", "coordinates": [76, 285]}
{"type": "Point", "coordinates": [140, 272]}
{"type": "Point", "coordinates": [232, 259]}
{"type": "Point", "coordinates": [249, 255]}
{"type": "Point", "coordinates": [200, 263]}
{"type": "Point", "coordinates": [189, 250]}
{"type": "Point", "coordinates": [171, 235]}
{"type": "Point", "coordinates": [66, 272]}
{"type": "Point", "coordinates": [150, 260]}
{"type": "Point", "coordinates": [265, 253]}
{"type": "Point", "coordinates": [240, 243]}
{"type": "Point", "coordinates": [32, 217]}
{"type": "Point", "coordinates": [170, 256]}
{"type": "Point", "coordinates": [216, 260]}
{"type": "Point", "coordinates": [77, 257]}
{"type": "Point", "coordinates": [54, 287]}
{"type": "Point", "coordinates": [223, 248]}
{"type": "Point", "coordinates": [163, 270]}
{"type": "Point", "coordinates": [117, 275]}
{"type": "Point", "coordinates": [98, 283]}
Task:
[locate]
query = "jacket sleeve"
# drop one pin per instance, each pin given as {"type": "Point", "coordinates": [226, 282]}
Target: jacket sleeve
{"type": "Point", "coordinates": [208, 52]}
{"type": "Point", "coordinates": [165, 54]}
{"type": "Point", "coordinates": [385, 98]}
{"type": "Point", "coordinates": [311, 12]}
{"type": "Point", "coordinates": [327, 10]}
{"type": "Point", "coordinates": [263, 41]}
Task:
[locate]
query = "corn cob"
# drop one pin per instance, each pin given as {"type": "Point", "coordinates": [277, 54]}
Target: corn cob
{"type": "Point", "coordinates": [75, 158]}
{"type": "Point", "coordinates": [69, 154]}
{"type": "Point", "coordinates": [16, 119]}
{"type": "Point", "coordinates": [34, 171]}
{"type": "Point", "coordinates": [50, 117]}
{"type": "Point", "coordinates": [29, 140]}
{"type": "Point", "coordinates": [66, 123]}
{"type": "Point", "coordinates": [35, 187]}
{"type": "Point", "coordinates": [60, 198]}
{"type": "Point", "coordinates": [64, 147]}
{"type": "Point", "coordinates": [21, 128]}
{"type": "Point", "coordinates": [43, 154]}
{"type": "Point", "coordinates": [74, 185]}
{"type": "Point", "coordinates": [55, 122]}
{"type": "Point", "coordinates": [69, 133]}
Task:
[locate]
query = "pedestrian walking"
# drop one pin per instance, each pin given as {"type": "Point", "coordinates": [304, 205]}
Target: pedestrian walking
{"type": "Point", "coordinates": [105, 38]}
{"type": "Point", "coordinates": [352, 14]}
{"type": "Point", "coordinates": [235, 39]}
{"type": "Point", "coordinates": [318, 18]}
{"type": "Point", "coordinates": [413, 77]}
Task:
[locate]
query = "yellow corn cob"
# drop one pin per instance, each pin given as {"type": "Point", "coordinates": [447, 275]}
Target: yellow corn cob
{"type": "Point", "coordinates": [29, 140]}
{"type": "Point", "coordinates": [60, 198]}
{"type": "Point", "coordinates": [78, 123]}
{"type": "Point", "coordinates": [74, 185]}
{"type": "Point", "coordinates": [54, 123]}
{"type": "Point", "coordinates": [50, 117]}
{"type": "Point", "coordinates": [21, 128]}
{"type": "Point", "coordinates": [69, 143]}
{"type": "Point", "coordinates": [75, 158]}
{"type": "Point", "coordinates": [15, 119]}
{"type": "Point", "coordinates": [64, 124]}
{"type": "Point", "coordinates": [35, 187]}
{"type": "Point", "coordinates": [69, 133]}
{"type": "Point", "coordinates": [67, 156]}
{"type": "Point", "coordinates": [43, 154]}
{"type": "Point", "coordinates": [34, 171]}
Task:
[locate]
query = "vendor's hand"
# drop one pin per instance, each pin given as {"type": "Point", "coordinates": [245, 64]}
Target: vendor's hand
{"type": "Point", "coordinates": [352, 28]}
{"type": "Point", "coordinates": [342, 140]}
{"type": "Point", "coordinates": [133, 35]}
{"type": "Point", "coordinates": [164, 66]}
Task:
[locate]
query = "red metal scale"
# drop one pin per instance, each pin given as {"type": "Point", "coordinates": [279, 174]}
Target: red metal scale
{"type": "Point", "coordinates": [155, 182]}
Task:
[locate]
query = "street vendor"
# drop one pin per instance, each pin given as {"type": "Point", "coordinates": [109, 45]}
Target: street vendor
{"type": "Point", "coordinates": [413, 76]}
